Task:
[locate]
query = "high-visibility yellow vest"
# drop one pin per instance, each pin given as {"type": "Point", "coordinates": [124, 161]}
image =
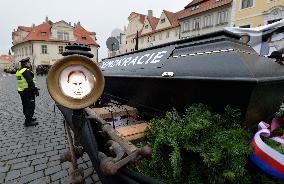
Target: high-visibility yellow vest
{"type": "Point", "coordinates": [22, 83]}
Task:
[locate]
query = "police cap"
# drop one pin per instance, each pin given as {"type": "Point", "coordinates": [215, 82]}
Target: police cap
{"type": "Point", "coordinates": [25, 60]}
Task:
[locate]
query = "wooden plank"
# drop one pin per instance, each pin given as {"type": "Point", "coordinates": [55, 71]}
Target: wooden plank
{"type": "Point", "coordinates": [132, 132]}
{"type": "Point", "coordinates": [107, 112]}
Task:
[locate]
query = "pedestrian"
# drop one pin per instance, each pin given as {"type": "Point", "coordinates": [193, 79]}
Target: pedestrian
{"type": "Point", "coordinates": [27, 90]}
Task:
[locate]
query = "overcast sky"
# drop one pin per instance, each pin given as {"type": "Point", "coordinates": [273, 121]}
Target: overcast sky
{"type": "Point", "coordinates": [101, 16]}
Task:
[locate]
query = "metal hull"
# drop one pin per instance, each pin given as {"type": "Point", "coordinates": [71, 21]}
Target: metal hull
{"type": "Point", "coordinates": [155, 96]}
{"type": "Point", "coordinates": [216, 70]}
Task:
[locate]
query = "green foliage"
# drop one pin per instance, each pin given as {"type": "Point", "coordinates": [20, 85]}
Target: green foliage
{"type": "Point", "coordinates": [280, 112]}
{"type": "Point", "coordinates": [199, 147]}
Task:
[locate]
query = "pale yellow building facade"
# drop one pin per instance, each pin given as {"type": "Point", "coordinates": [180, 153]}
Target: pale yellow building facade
{"type": "Point", "coordinates": [164, 30]}
{"type": "Point", "coordinates": [254, 13]}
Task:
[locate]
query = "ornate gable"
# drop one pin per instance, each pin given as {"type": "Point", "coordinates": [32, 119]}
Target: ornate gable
{"type": "Point", "coordinates": [146, 27]}
{"type": "Point", "coordinates": [164, 22]}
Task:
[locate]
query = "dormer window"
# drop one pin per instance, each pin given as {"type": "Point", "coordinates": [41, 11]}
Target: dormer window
{"type": "Point", "coordinates": [62, 36]}
{"type": "Point", "coordinates": [66, 36]}
{"type": "Point", "coordinates": [43, 33]}
{"type": "Point", "coordinates": [195, 7]}
{"type": "Point", "coordinates": [146, 26]}
{"type": "Point", "coordinates": [84, 38]}
{"type": "Point", "coordinates": [163, 20]}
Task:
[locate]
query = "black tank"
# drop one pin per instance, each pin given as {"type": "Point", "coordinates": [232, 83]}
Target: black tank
{"type": "Point", "coordinates": [215, 69]}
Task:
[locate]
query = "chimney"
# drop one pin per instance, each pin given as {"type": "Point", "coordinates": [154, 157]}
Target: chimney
{"type": "Point", "coordinates": [46, 19]}
{"type": "Point", "coordinates": [150, 13]}
{"type": "Point", "coordinates": [33, 25]}
{"type": "Point", "coordinates": [78, 24]}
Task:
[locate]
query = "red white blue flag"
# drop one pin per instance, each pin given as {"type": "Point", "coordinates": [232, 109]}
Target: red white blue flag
{"type": "Point", "coordinates": [267, 158]}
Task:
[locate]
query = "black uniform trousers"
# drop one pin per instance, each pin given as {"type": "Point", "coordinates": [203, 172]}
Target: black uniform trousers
{"type": "Point", "coordinates": [28, 102]}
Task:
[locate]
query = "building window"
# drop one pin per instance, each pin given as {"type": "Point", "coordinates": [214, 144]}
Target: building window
{"type": "Point", "coordinates": [148, 39]}
{"type": "Point", "coordinates": [160, 36]}
{"type": "Point", "coordinates": [247, 3]}
{"type": "Point", "coordinates": [30, 50]}
{"type": "Point", "coordinates": [168, 34]}
{"type": "Point", "coordinates": [185, 26]}
{"type": "Point", "coordinates": [44, 49]}
{"type": "Point", "coordinates": [222, 17]}
{"type": "Point", "coordinates": [208, 21]}
{"type": "Point", "coordinates": [22, 52]}
{"type": "Point", "coordinates": [60, 49]}
{"type": "Point", "coordinates": [154, 38]}
{"type": "Point", "coordinates": [146, 26]}
{"type": "Point", "coordinates": [62, 36]}
{"type": "Point", "coordinates": [245, 26]}
{"type": "Point", "coordinates": [196, 24]}
{"type": "Point", "coordinates": [59, 35]}
{"type": "Point", "coordinates": [26, 51]}
{"type": "Point", "coordinates": [176, 32]}
{"type": "Point", "coordinates": [66, 36]}
{"type": "Point", "coordinates": [163, 20]}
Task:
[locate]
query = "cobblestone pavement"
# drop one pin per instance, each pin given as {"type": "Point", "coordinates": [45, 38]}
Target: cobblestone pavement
{"type": "Point", "coordinates": [31, 155]}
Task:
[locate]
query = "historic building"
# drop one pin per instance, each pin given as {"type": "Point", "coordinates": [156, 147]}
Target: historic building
{"type": "Point", "coordinates": [161, 30]}
{"type": "Point", "coordinates": [133, 29]}
{"type": "Point", "coordinates": [198, 17]}
{"type": "Point", "coordinates": [204, 16]}
{"type": "Point", "coordinates": [6, 61]}
{"type": "Point", "coordinates": [146, 30]}
{"type": "Point", "coordinates": [44, 43]}
{"type": "Point", "coordinates": [253, 13]}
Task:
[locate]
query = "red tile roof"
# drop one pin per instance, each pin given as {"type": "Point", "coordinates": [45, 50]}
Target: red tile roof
{"type": "Point", "coordinates": [173, 18]}
{"type": "Point", "coordinates": [153, 22]}
{"type": "Point", "coordinates": [39, 33]}
{"type": "Point", "coordinates": [83, 36]}
{"type": "Point", "coordinates": [203, 6]}
{"type": "Point", "coordinates": [194, 2]}
{"type": "Point", "coordinates": [42, 33]}
{"type": "Point", "coordinates": [92, 33]}
{"type": "Point", "coordinates": [7, 58]}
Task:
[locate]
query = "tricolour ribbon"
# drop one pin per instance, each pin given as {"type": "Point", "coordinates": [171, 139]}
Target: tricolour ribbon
{"type": "Point", "coordinates": [267, 158]}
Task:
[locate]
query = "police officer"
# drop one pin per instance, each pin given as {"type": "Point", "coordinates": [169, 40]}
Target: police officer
{"type": "Point", "coordinates": [27, 91]}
